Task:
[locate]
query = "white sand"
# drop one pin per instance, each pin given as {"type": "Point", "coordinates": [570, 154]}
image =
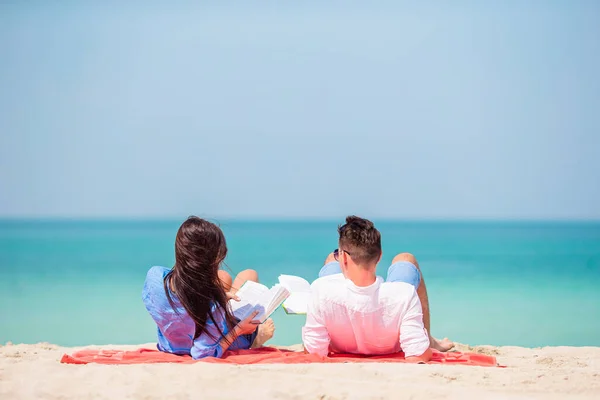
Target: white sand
{"type": "Point", "coordinates": [34, 371]}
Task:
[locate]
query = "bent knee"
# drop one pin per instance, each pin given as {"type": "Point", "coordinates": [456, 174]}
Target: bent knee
{"type": "Point", "coordinates": [249, 274]}
{"type": "Point", "coordinates": [406, 257]}
{"type": "Point", "coordinates": [225, 279]}
{"type": "Point", "coordinates": [330, 258]}
{"type": "Point", "coordinates": [224, 276]}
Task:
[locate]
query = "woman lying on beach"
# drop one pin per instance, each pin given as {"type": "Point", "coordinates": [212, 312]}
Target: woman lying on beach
{"type": "Point", "coordinates": [189, 302]}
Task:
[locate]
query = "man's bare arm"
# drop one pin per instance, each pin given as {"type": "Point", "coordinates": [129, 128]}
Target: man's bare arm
{"type": "Point", "coordinates": [423, 358]}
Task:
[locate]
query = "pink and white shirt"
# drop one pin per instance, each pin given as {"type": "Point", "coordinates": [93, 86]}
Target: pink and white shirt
{"type": "Point", "coordinates": [382, 318]}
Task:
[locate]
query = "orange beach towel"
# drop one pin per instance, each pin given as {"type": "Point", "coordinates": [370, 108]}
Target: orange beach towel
{"type": "Point", "coordinates": [264, 355]}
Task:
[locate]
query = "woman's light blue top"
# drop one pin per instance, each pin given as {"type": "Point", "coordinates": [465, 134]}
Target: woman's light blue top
{"type": "Point", "coordinates": [176, 328]}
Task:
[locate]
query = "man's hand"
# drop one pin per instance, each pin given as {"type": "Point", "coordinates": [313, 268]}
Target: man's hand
{"type": "Point", "coordinates": [422, 359]}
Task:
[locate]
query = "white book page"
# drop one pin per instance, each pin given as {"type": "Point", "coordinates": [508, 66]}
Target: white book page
{"type": "Point", "coordinates": [264, 304]}
{"type": "Point", "coordinates": [294, 283]}
{"type": "Point", "coordinates": [253, 296]}
{"type": "Point", "coordinates": [279, 294]}
{"type": "Point", "coordinates": [297, 303]}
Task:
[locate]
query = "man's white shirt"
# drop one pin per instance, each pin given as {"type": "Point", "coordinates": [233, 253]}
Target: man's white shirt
{"type": "Point", "coordinates": [382, 318]}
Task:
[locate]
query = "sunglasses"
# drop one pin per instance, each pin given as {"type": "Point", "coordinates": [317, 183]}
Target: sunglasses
{"type": "Point", "coordinates": [336, 254]}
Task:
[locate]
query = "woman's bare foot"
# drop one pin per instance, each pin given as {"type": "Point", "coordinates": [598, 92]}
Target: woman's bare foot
{"type": "Point", "coordinates": [266, 330]}
{"type": "Point", "coordinates": [441, 345]}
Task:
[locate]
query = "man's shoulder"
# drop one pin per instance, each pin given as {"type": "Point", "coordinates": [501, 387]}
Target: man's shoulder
{"type": "Point", "coordinates": [334, 279]}
{"type": "Point", "coordinates": [328, 281]}
{"type": "Point", "coordinates": [397, 291]}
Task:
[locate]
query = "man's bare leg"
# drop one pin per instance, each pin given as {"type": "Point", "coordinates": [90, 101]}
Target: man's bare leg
{"type": "Point", "coordinates": [330, 258]}
{"type": "Point", "coordinates": [266, 330]}
{"type": "Point", "coordinates": [441, 345]}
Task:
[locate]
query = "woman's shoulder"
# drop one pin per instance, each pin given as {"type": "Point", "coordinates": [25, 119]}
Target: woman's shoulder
{"type": "Point", "coordinates": [154, 285]}
{"type": "Point", "coordinates": [157, 273]}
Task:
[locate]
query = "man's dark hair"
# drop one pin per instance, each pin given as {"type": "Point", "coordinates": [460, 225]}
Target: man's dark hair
{"type": "Point", "coordinates": [360, 239]}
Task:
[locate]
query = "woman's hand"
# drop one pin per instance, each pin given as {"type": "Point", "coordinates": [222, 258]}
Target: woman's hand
{"type": "Point", "coordinates": [248, 325]}
{"type": "Point", "coordinates": [232, 296]}
{"type": "Point", "coordinates": [244, 327]}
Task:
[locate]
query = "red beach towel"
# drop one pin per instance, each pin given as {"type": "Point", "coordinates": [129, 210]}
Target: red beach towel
{"type": "Point", "coordinates": [264, 355]}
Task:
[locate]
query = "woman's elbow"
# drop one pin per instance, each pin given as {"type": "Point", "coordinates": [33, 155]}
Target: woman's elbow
{"type": "Point", "coordinates": [200, 354]}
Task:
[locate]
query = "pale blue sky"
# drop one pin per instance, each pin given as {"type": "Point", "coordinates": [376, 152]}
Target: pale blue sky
{"type": "Point", "coordinates": [300, 109]}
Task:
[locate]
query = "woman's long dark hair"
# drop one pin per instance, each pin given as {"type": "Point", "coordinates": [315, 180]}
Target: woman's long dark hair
{"type": "Point", "coordinates": [199, 250]}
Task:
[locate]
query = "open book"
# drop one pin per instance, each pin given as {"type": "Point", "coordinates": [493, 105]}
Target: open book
{"type": "Point", "coordinates": [299, 289]}
{"type": "Point", "coordinates": [291, 291]}
{"type": "Point", "coordinates": [254, 296]}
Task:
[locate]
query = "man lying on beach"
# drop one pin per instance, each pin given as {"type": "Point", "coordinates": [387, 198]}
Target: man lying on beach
{"type": "Point", "coordinates": [352, 310]}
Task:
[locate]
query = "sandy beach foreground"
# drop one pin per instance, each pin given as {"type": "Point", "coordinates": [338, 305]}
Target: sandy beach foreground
{"type": "Point", "coordinates": [34, 371]}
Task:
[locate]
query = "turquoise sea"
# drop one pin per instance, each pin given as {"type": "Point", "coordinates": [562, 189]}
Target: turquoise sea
{"type": "Point", "coordinates": [502, 283]}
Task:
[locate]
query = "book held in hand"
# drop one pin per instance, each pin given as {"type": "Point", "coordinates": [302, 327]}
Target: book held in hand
{"type": "Point", "coordinates": [291, 291]}
{"type": "Point", "coordinates": [257, 297]}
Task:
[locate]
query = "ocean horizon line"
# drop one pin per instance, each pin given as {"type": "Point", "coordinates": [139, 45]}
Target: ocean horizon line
{"type": "Point", "coordinates": [291, 219]}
